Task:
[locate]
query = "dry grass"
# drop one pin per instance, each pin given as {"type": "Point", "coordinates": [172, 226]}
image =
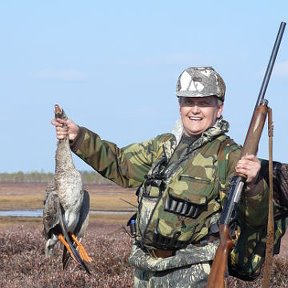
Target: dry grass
{"type": "Point", "coordinates": [16, 196]}
{"type": "Point", "coordinates": [22, 260]}
{"type": "Point", "coordinates": [23, 263]}
{"type": "Point", "coordinates": [30, 196]}
{"type": "Point", "coordinates": [111, 197]}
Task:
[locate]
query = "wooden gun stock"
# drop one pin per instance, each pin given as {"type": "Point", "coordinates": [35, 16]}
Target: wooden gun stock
{"type": "Point", "coordinates": [257, 123]}
{"type": "Point", "coordinates": [220, 263]}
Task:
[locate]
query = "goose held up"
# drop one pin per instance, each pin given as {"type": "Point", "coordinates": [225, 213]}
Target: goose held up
{"type": "Point", "coordinates": [66, 206]}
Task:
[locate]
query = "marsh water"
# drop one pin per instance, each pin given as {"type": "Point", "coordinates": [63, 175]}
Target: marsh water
{"type": "Point", "coordinates": [21, 213]}
{"type": "Point", "coordinates": [39, 213]}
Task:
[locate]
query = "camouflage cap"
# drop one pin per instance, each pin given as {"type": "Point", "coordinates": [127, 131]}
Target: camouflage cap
{"type": "Point", "coordinates": [200, 82]}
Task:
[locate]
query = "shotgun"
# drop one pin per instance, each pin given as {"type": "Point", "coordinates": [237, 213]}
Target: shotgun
{"type": "Point", "coordinates": [250, 146]}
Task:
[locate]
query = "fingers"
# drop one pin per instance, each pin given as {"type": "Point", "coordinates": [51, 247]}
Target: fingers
{"type": "Point", "coordinates": [59, 122]}
{"type": "Point", "coordinates": [62, 132]}
{"type": "Point", "coordinates": [65, 128]}
{"type": "Point", "coordinates": [248, 165]}
{"type": "Point", "coordinates": [61, 128]}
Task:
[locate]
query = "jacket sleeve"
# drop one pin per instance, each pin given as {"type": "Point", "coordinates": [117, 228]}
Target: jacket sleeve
{"type": "Point", "coordinates": [125, 166]}
{"type": "Point", "coordinates": [246, 257]}
{"type": "Point", "coordinates": [249, 211]}
{"type": "Point", "coordinates": [253, 206]}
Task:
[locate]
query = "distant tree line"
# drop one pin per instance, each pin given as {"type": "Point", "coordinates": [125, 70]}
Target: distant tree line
{"type": "Point", "coordinates": [45, 177]}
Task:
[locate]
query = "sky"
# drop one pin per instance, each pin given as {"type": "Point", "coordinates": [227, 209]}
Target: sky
{"type": "Point", "coordinates": [113, 67]}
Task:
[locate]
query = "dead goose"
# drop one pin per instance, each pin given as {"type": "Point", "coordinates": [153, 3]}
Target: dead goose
{"type": "Point", "coordinates": [66, 206]}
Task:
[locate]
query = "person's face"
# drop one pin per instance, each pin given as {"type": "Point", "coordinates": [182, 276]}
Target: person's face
{"type": "Point", "coordinates": [199, 113]}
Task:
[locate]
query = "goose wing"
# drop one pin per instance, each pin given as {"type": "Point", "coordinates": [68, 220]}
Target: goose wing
{"type": "Point", "coordinates": [50, 217]}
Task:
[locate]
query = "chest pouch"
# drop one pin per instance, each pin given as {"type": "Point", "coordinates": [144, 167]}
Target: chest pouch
{"type": "Point", "coordinates": [179, 210]}
{"type": "Point", "coordinates": [180, 216]}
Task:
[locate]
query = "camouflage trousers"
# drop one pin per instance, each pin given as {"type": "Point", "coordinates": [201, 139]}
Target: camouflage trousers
{"type": "Point", "coordinates": [189, 267]}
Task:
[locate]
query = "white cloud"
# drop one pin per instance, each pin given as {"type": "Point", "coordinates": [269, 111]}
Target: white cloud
{"type": "Point", "coordinates": [164, 59]}
{"type": "Point", "coordinates": [61, 74]}
{"type": "Point", "coordinates": [175, 58]}
{"type": "Point", "coordinates": [281, 69]}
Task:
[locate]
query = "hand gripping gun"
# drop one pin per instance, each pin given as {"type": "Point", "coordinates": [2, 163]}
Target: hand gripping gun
{"type": "Point", "coordinates": [220, 262]}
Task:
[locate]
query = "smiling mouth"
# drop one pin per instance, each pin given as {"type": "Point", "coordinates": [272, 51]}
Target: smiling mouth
{"type": "Point", "coordinates": [195, 118]}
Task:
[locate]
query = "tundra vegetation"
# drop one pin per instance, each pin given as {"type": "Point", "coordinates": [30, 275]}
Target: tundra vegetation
{"type": "Point", "coordinates": [22, 258]}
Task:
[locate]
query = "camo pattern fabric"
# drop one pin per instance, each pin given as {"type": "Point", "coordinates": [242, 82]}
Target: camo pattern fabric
{"type": "Point", "coordinates": [125, 166]}
{"type": "Point", "coordinates": [195, 276]}
{"type": "Point", "coordinates": [130, 165]}
{"type": "Point", "coordinates": [248, 255]}
{"type": "Point", "coordinates": [189, 267]}
{"type": "Point", "coordinates": [200, 82]}
{"type": "Point", "coordinates": [247, 265]}
{"type": "Point", "coordinates": [181, 213]}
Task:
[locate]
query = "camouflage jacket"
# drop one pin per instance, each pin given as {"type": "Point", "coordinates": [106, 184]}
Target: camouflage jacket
{"type": "Point", "coordinates": [131, 166]}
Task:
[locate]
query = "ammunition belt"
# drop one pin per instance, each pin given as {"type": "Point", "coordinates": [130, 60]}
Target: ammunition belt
{"type": "Point", "coordinates": [182, 207]}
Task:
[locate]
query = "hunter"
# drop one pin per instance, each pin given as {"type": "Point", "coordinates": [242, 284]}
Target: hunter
{"type": "Point", "coordinates": [181, 179]}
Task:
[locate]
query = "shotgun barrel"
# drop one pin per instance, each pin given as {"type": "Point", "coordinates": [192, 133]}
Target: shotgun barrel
{"type": "Point", "coordinates": [219, 266]}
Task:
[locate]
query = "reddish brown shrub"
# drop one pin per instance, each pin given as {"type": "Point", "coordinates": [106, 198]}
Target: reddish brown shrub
{"type": "Point", "coordinates": [23, 263]}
